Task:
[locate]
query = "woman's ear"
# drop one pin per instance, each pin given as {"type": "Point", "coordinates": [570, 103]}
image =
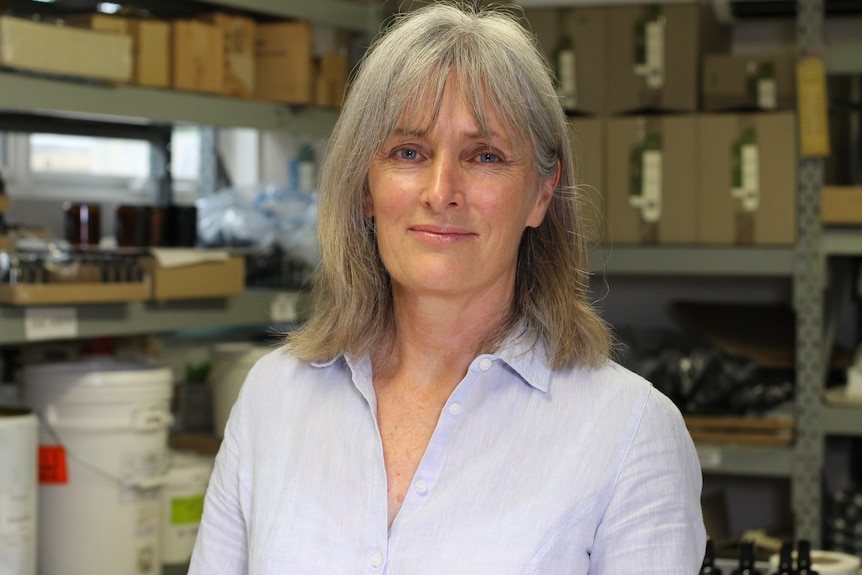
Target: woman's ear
{"type": "Point", "coordinates": [547, 186]}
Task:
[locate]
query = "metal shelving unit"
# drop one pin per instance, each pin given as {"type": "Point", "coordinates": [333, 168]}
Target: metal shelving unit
{"type": "Point", "coordinates": [33, 102]}
{"type": "Point", "coordinates": [746, 461]}
{"type": "Point", "coordinates": [693, 261]}
{"type": "Point", "coordinates": [254, 308]}
{"type": "Point", "coordinates": [106, 103]}
{"type": "Point", "coordinates": [819, 251]}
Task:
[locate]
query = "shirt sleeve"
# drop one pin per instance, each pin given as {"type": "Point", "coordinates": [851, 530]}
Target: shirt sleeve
{"type": "Point", "coordinates": [653, 522]}
{"type": "Point", "coordinates": [221, 545]}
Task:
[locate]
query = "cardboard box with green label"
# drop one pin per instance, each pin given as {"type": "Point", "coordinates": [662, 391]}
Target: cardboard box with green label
{"type": "Point", "coordinates": [650, 178]}
{"type": "Point", "coordinates": [747, 184]}
{"type": "Point", "coordinates": [654, 56]}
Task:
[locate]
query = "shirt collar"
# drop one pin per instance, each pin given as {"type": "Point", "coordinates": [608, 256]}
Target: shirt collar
{"type": "Point", "coordinates": [522, 354]}
{"type": "Point", "coordinates": [527, 357]}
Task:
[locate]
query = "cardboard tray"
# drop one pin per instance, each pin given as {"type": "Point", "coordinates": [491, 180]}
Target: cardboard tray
{"type": "Point", "coordinates": [73, 293]}
{"type": "Point", "coordinates": [765, 431]}
{"type": "Point", "coordinates": [841, 205]}
{"type": "Point", "coordinates": [209, 279]}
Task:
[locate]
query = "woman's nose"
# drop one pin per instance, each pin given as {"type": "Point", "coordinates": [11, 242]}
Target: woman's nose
{"type": "Point", "coordinates": [443, 188]}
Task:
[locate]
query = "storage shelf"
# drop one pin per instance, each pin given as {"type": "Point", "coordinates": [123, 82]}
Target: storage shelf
{"type": "Point", "coordinates": [107, 102]}
{"type": "Point", "coordinates": [719, 459]}
{"type": "Point", "coordinates": [840, 420]}
{"type": "Point", "coordinates": [363, 17]}
{"type": "Point", "coordinates": [253, 308]}
{"type": "Point", "coordinates": [692, 261]}
{"type": "Point", "coordinates": [842, 241]}
{"type": "Point", "coordinates": [844, 58]}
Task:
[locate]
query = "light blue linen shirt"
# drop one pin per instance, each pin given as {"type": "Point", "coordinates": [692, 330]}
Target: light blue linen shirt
{"type": "Point", "coordinates": [529, 471]}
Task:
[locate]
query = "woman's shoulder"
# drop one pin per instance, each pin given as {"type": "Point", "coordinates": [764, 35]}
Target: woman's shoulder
{"type": "Point", "coordinates": [611, 388]}
{"type": "Point", "coordinates": [281, 364]}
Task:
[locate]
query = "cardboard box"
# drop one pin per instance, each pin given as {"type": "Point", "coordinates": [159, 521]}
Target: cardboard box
{"type": "Point", "coordinates": [654, 56]}
{"type": "Point", "coordinates": [197, 57]}
{"type": "Point", "coordinates": [747, 187]}
{"type": "Point", "coordinates": [749, 82]}
{"type": "Point", "coordinates": [151, 44]}
{"type": "Point", "coordinates": [4, 203]}
{"type": "Point", "coordinates": [841, 205]}
{"type": "Point", "coordinates": [330, 80]}
{"type": "Point", "coordinates": [587, 29]}
{"type": "Point", "coordinates": [651, 178]}
{"type": "Point", "coordinates": [239, 45]}
{"type": "Point", "coordinates": [283, 62]}
{"type": "Point", "coordinates": [65, 50]}
{"type": "Point", "coordinates": [209, 279]}
{"type": "Point", "coordinates": [589, 151]}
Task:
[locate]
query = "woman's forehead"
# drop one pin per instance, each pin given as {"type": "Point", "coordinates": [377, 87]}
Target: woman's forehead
{"type": "Point", "coordinates": [422, 112]}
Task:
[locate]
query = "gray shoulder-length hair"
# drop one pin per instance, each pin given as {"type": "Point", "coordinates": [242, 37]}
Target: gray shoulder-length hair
{"type": "Point", "coordinates": [499, 68]}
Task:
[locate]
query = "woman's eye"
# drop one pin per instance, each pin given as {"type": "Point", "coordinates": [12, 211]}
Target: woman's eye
{"type": "Point", "coordinates": [407, 154]}
{"type": "Point", "coordinates": [488, 157]}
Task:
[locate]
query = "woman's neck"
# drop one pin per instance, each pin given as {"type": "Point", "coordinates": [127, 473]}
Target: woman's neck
{"type": "Point", "coordinates": [436, 340]}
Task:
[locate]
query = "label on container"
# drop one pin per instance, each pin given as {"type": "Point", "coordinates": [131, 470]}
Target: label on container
{"type": "Point", "coordinates": [17, 517]}
{"type": "Point", "coordinates": [186, 510]}
{"type": "Point", "coordinates": [53, 468]}
{"type": "Point", "coordinates": [141, 474]}
{"type": "Point", "coordinates": [813, 108]}
{"type": "Point", "coordinates": [50, 323]}
{"type": "Point", "coordinates": [749, 191]}
{"type": "Point", "coordinates": [655, 54]}
{"type": "Point", "coordinates": [767, 94]}
{"type": "Point", "coordinates": [147, 560]}
{"type": "Point", "coordinates": [568, 90]}
{"type": "Point", "coordinates": [652, 186]}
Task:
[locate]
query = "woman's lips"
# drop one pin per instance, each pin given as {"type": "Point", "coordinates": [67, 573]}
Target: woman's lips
{"type": "Point", "coordinates": [442, 233]}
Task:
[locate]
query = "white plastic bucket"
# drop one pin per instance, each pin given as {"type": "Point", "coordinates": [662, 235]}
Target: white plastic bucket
{"type": "Point", "coordinates": [18, 491]}
{"type": "Point", "coordinates": [182, 505]}
{"type": "Point", "coordinates": [103, 441]}
{"type": "Point", "coordinates": [231, 363]}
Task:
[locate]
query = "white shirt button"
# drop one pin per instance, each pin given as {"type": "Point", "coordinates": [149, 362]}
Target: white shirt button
{"type": "Point", "coordinates": [377, 560]}
{"type": "Point", "coordinates": [455, 408]}
{"type": "Point", "coordinates": [421, 486]}
{"type": "Point", "coordinates": [485, 364]}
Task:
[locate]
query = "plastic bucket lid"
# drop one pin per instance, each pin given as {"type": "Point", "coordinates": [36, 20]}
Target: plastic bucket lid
{"type": "Point", "coordinates": [95, 382]}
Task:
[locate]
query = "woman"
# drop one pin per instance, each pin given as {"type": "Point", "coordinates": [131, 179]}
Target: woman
{"type": "Point", "coordinates": [450, 406]}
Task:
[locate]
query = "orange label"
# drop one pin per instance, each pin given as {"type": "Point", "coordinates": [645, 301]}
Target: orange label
{"type": "Point", "coordinates": [52, 465]}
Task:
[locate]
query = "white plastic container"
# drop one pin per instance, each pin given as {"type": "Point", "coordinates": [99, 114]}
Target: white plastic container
{"type": "Point", "coordinates": [103, 444]}
{"type": "Point", "coordinates": [231, 363]}
{"type": "Point", "coordinates": [18, 491]}
{"type": "Point", "coordinates": [182, 505]}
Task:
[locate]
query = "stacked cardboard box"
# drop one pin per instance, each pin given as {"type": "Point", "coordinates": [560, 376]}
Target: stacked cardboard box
{"type": "Point", "coordinates": [219, 53]}
{"type": "Point", "coordinates": [698, 145]}
{"type": "Point", "coordinates": [284, 62]}
{"type": "Point", "coordinates": [150, 44]}
{"type": "Point", "coordinates": [64, 50]}
{"type": "Point", "coordinates": [238, 42]}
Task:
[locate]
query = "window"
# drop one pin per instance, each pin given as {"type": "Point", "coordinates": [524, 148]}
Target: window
{"type": "Point", "coordinates": [85, 168]}
{"type": "Point", "coordinates": [82, 155]}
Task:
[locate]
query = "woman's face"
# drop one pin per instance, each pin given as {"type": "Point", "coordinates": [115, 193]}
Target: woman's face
{"type": "Point", "coordinates": [450, 205]}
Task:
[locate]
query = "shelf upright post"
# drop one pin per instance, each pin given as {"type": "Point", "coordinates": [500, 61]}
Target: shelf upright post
{"type": "Point", "coordinates": [808, 295]}
{"type": "Point", "coordinates": [208, 170]}
{"type": "Point", "coordinates": [160, 167]}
